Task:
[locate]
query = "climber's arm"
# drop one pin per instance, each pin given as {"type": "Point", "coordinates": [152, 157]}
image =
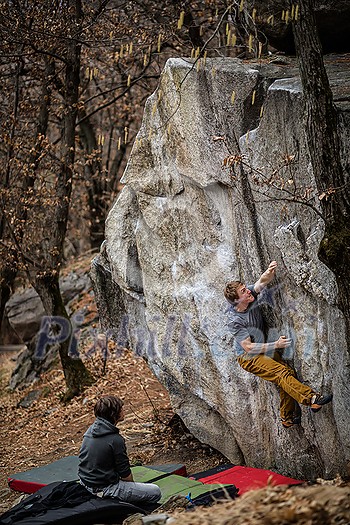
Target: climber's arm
{"type": "Point", "coordinates": [266, 277]}
{"type": "Point", "coordinates": [262, 348]}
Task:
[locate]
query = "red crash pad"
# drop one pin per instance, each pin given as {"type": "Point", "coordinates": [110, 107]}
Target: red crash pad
{"type": "Point", "coordinates": [248, 478]}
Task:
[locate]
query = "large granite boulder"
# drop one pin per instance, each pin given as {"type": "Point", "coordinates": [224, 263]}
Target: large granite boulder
{"type": "Point", "coordinates": [183, 226]}
{"type": "Point", "coordinates": [332, 18]}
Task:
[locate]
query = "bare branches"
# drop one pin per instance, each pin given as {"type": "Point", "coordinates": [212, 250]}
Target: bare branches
{"type": "Point", "coordinates": [273, 185]}
{"type": "Point", "coordinates": [119, 96]}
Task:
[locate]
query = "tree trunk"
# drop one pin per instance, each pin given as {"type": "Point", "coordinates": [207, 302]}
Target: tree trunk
{"type": "Point", "coordinates": [75, 373]}
{"type": "Point", "coordinates": [96, 186]}
{"type": "Point", "coordinates": [322, 132]}
{"type": "Point", "coordinates": [10, 259]}
{"type": "Point", "coordinates": [8, 264]}
{"type": "Point", "coordinates": [7, 277]}
{"type": "Point", "coordinates": [46, 282]}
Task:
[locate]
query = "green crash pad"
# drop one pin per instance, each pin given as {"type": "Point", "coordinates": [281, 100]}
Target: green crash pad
{"type": "Point", "coordinates": [145, 474]}
{"type": "Point", "coordinates": [173, 485]}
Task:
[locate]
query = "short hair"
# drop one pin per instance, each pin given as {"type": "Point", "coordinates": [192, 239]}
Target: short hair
{"type": "Point", "coordinates": [230, 291]}
{"type": "Point", "coordinates": [108, 407]}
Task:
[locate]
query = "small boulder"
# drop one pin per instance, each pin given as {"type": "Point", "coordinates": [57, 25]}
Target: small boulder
{"type": "Point", "coordinates": [24, 309]}
{"type": "Point", "coordinates": [29, 399]}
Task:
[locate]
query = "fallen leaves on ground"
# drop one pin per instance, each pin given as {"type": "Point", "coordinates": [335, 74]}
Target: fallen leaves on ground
{"type": "Point", "coordinates": [302, 505]}
{"type": "Point", "coordinates": [49, 430]}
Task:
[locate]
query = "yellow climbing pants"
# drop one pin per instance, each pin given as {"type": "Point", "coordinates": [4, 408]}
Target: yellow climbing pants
{"type": "Point", "coordinates": [277, 371]}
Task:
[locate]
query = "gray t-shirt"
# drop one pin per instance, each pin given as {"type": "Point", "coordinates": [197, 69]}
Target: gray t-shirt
{"type": "Point", "coordinates": [246, 324]}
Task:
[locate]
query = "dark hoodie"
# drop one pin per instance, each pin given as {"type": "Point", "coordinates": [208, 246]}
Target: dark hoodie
{"type": "Point", "coordinates": [102, 458]}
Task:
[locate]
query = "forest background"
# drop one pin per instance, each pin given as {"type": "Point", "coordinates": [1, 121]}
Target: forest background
{"type": "Point", "coordinates": [74, 79]}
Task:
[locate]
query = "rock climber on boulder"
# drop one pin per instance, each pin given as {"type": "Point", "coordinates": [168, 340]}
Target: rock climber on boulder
{"type": "Point", "coordinates": [262, 358]}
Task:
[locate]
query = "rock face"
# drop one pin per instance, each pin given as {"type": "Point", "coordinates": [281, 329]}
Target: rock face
{"type": "Point", "coordinates": [183, 226]}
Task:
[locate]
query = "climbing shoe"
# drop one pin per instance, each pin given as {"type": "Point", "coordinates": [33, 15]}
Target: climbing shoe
{"type": "Point", "coordinates": [287, 423]}
{"type": "Point", "coordinates": [318, 401]}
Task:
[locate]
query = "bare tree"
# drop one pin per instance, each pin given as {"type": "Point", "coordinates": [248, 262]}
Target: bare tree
{"type": "Point", "coordinates": [322, 129]}
{"type": "Point", "coordinates": [35, 206]}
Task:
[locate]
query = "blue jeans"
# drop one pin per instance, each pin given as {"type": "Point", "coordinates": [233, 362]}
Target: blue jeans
{"type": "Point", "coordinates": [133, 492]}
